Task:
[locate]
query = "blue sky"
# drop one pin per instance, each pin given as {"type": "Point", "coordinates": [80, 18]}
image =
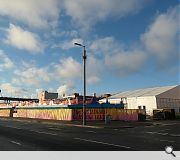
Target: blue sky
{"type": "Point", "coordinates": [130, 44]}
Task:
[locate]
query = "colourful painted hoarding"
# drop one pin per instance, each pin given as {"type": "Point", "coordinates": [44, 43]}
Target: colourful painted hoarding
{"type": "Point", "coordinates": [70, 114]}
{"type": "Point", "coordinates": [54, 114]}
{"type": "Point", "coordinates": [4, 112]}
{"type": "Point", "coordinates": [123, 114]}
{"type": "Point", "coordinates": [91, 114]}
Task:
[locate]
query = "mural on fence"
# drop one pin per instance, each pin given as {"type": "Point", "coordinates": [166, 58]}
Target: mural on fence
{"type": "Point", "coordinates": [123, 114]}
{"type": "Point", "coordinates": [91, 114]}
{"type": "Point", "coordinates": [75, 114]}
{"type": "Point", "coordinates": [4, 112]}
{"type": "Point", "coordinates": [100, 113]}
{"type": "Point", "coordinates": [55, 114]}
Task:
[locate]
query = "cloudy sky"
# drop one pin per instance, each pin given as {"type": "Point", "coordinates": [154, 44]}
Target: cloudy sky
{"type": "Point", "coordinates": [130, 44]}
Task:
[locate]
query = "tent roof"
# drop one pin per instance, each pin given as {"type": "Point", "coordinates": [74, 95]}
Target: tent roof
{"type": "Point", "coordinates": [142, 92]}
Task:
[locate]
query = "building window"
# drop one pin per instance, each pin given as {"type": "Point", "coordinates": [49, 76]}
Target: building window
{"type": "Point", "coordinates": [144, 107]}
{"type": "Point", "coordinates": [139, 107]}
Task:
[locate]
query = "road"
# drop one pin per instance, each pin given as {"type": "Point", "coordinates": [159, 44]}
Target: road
{"type": "Point", "coordinates": [27, 135]}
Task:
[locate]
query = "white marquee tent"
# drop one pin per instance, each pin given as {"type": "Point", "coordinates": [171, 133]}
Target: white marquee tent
{"type": "Point", "coordinates": [149, 98]}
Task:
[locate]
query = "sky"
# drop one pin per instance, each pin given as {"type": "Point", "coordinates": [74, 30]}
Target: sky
{"type": "Point", "coordinates": [130, 44]}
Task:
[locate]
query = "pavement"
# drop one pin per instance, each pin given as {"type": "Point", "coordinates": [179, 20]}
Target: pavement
{"type": "Point", "coordinates": [95, 124]}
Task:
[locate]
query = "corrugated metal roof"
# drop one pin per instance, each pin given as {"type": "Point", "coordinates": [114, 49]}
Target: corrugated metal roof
{"type": "Point", "coordinates": [142, 92]}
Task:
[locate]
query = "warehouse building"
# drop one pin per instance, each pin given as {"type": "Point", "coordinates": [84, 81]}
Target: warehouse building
{"type": "Point", "coordinates": [149, 99]}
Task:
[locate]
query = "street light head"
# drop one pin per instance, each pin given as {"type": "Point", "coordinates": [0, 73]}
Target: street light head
{"type": "Point", "coordinates": [78, 44]}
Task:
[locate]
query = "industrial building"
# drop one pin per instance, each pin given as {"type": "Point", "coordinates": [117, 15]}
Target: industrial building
{"type": "Point", "coordinates": [44, 95]}
{"type": "Point", "coordinates": [167, 97]}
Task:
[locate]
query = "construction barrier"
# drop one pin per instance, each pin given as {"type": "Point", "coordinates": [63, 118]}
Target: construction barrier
{"type": "Point", "coordinates": [70, 114]}
{"type": "Point", "coordinates": [5, 112]}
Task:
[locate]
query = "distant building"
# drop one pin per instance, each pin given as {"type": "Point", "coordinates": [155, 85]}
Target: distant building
{"type": "Point", "coordinates": [44, 95]}
{"type": "Point", "coordinates": [149, 98]}
{"type": "Point", "coordinates": [78, 99]}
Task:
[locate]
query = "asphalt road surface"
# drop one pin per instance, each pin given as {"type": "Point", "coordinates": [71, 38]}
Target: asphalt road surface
{"type": "Point", "coordinates": [27, 135]}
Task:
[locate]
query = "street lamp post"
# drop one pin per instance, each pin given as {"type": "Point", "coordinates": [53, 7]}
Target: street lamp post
{"type": "Point", "coordinates": [84, 97]}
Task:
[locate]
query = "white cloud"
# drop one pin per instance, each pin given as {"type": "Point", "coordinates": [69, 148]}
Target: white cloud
{"type": "Point", "coordinates": [94, 70]}
{"type": "Point", "coordinates": [5, 62]}
{"type": "Point", "coordinates": [30, 75]}
{"type": "Point", "coordinates": [68, 68]}
{"type": "Point", "coordinates": [66, 89]}
{"type": "Point", "coordinates": [22, 39]}
{"type": "Point", "coordinates": [161, 38]}
{"type": "Point", "coordinates": [160, 41]}
{"type": "Point", "coordinates": [70, 33]}
{"type": "Point", "coordinates": [126, 63]}
{"type": "Point", "coordinates": [36, 13]}
{"type": "Point", "coordinates": [117, 57]}
{"type": "Point", "coordinates": [105, 45]}
{"type": "Point", "coordinates": [10, 90]}
{"type": "Point", "coordinates": [85, 13]}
